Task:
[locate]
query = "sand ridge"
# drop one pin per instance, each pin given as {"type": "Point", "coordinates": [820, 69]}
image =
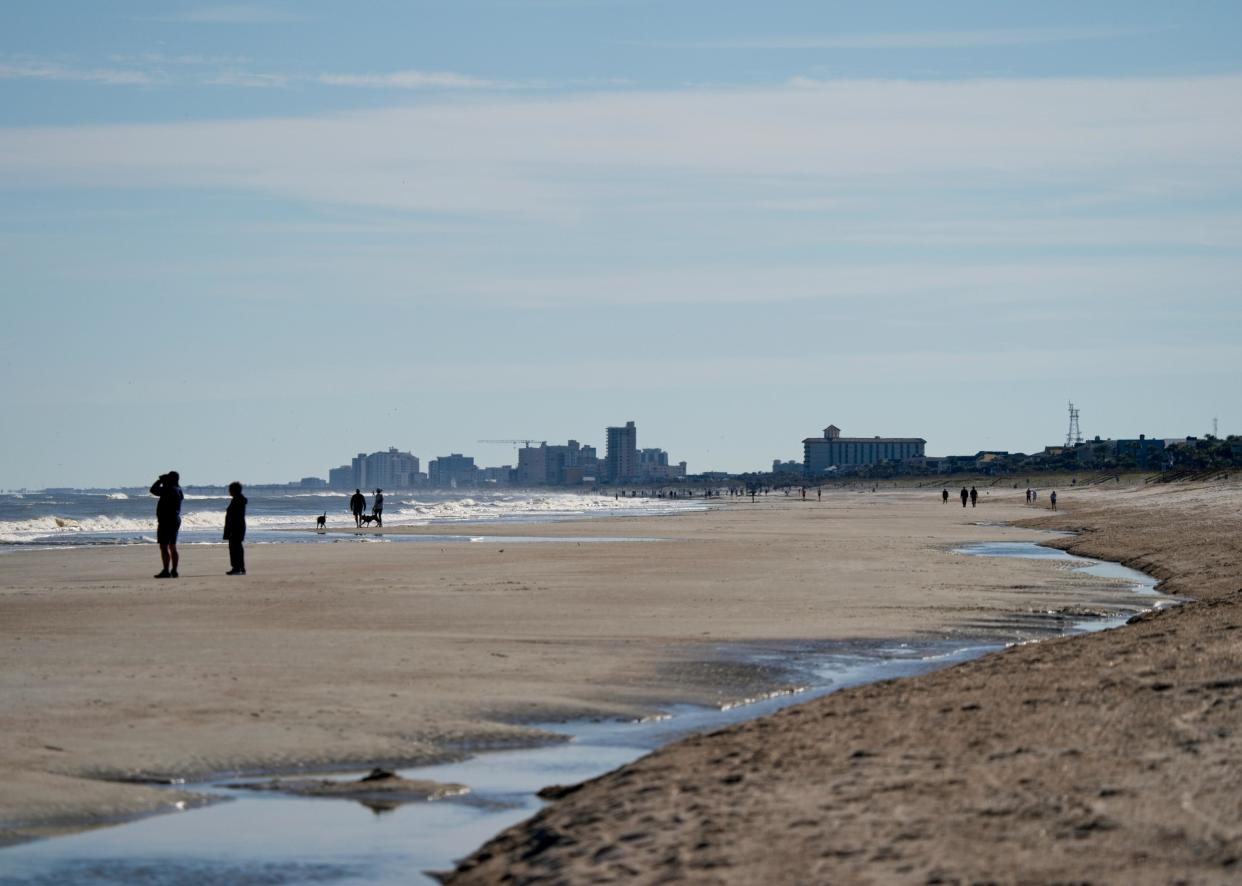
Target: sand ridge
{"type": "Point", "coordinates": [1107, 758]}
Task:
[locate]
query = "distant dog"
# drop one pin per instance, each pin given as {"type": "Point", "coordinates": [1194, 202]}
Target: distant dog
{"type": "Point", "coordinates": [368, 519]}
{"type": "Point", "coordinates": [321, 522]}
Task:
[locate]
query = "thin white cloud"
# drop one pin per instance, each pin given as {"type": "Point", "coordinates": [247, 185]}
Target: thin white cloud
{"type": "Point", "coordinates": [173, 70]}
{"type": "Point", "coordinates": [188, 60]}
{"type": "Point", "coordinates": [247, 79]}
{"type": "Point", "coordinates": [232, 14]}
{"type": "Point", "coordinates": [961, 39]}
{"type": "Point", "coordinates": [887, 145]}
{"type": "Point", "coordinates": [31, 69]}
{"type": "Point", "coordinates": [414, 80]}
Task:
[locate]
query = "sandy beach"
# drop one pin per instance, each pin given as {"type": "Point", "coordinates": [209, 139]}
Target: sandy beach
{"type": "Point", "coordinates": [1104, 758]}
{"type": "Point", "coordinates": [405, 652]}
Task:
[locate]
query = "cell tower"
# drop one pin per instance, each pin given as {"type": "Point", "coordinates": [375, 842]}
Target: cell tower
{"type": "Point", "coordinates": [1073, 437]}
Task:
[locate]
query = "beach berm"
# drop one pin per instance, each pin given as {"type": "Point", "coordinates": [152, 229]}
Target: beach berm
{"type": "Point", "coordinates": [1105, 758]}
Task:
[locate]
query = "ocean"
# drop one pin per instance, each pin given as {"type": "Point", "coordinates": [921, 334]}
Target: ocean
{"type": "Point", "coordinates": [61, 518]}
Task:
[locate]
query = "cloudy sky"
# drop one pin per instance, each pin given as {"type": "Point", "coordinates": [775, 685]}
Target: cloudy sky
{"type": "Point", "coordinates": [250, 240]}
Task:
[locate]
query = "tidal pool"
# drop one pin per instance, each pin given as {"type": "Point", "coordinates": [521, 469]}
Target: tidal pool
{"type": "Point", "coordinates": [265, 838]}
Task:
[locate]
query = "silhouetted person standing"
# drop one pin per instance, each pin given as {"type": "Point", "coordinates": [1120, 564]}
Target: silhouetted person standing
{"type": "Point", "coordinates": [965, 496]}
{"type": "Point", "coordinates": [944, 496]}
{"type": "Point", "coordinates": [235, 529]}
{"type": "Point", "coordinates": [357, 504]}
{"type": "Point", "coordinates": [377, 509]}
{"type": "Point", "coordinates": [168, 520]}
{"type": "Point", "coordinates": [974, 496]}
{"type": "Point", "coordinates": [1052, 499]}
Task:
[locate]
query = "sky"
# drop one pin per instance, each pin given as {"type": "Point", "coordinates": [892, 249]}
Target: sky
{"type": "Point", "coordinates": [248, 241]}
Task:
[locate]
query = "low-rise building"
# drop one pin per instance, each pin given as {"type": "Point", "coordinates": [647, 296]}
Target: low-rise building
{"type": "Point", "coordinates": [834, 451]}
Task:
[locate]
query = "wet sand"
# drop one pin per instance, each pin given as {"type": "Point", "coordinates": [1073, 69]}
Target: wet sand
{"type": "Point", "coordinates": [361, 655]}
{"type": "Point", "coordinates": [1104, 758]}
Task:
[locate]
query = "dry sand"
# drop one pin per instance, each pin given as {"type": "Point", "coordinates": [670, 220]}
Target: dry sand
{"type": "Point", "coordinates": [380, 654]}
{"type": "Point", "coordinates": [1108, 758]}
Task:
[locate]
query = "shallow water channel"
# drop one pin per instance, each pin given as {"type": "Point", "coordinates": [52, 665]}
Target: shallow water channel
{"type": "Point", "coordinates": [266, 838]}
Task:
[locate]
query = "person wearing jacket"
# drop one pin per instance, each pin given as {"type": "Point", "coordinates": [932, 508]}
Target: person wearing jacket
{"type": "Point", "coordinates": [168, 520]}
{"type": "Point", "coordinates": [235, 529]}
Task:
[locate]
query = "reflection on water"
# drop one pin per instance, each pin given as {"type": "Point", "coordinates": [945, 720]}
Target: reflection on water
{"type": "Point", "coordinates": [265, 838]}
{"type": "Point", "coordinates": [1141, 583]}
{"type": "Point", "coordinates": [270, 838]}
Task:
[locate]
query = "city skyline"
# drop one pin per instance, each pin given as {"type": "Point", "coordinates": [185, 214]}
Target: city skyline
{"type": "Point", "coordinates": [247, 239]}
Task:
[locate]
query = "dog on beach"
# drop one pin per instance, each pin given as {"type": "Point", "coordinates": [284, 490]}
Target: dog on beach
{"type": "Point", "coordinates": [321, 522]}
{"type": "Point", "coordinates": [368, 519]}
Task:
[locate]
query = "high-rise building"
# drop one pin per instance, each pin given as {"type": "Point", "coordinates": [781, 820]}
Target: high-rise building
{"type": "Point", "coordinates": [621, 454]}
{"type": "Point", "coordinates": [545, 465]}
{"type": "Point", "coordinates": [343, 478]}
{"type": "Point", "coordinates": [453, 470]}
{"type": "Point", "coordinates": [652, 457]}
{"type": "Point", "coordinates": [384, 470]}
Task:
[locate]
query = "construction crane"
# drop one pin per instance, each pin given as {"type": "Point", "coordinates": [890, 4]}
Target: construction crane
{"type": "Point", "coordinates": [525, 442]}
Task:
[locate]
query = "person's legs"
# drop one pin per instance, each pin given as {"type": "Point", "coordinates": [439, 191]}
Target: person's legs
{"type": "Point", "coordinates": [172, 554]}
{"type": "Point", "coordinates": [237, 557]}
{"type": "Point", "coordinates": [164, 557]}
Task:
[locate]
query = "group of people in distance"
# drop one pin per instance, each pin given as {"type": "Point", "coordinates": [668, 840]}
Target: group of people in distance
{"type": "Point", "coordinates": [972, 495]}
{"type": "Point", "coordinates": [358, 507]}
{"type": "Point", "coordinates": [168, 523]}
{"type": "Point", "coordinates": [1032, 495]}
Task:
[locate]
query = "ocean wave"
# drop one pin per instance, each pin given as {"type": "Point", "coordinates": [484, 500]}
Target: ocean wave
{"type": "Point", "coordinates": [410, 510]}
{"type": "Point", "coordinates": [16, 531]}
{"type": "Point", "coordinates": [518, 505]}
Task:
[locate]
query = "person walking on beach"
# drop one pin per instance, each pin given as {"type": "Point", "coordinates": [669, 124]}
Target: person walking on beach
{"type": "Point", "coordinates": [168, 520]}
{"type": "Point", "coordinates": [357, 504]}
{"type": "Point", "coordinates": [944, 496]}
{"type": "Point", "coordinates": [377, 509]}
{"type": "Point", "coordinates": [1052, 499]}
{"type": "Point", "coordinates": [974, 496]}
{"type": "Point", "coordinates": [965, 496]}
{"type": "Point", "coordinates": [235, 529]}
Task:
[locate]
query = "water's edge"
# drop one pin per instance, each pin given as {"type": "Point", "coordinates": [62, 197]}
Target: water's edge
{"type": "Point", "coordinates": [253, 837]}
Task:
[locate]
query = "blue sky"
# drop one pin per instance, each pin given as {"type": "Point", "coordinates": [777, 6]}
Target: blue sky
{"type": "Point", "coordinates": [249, 240]}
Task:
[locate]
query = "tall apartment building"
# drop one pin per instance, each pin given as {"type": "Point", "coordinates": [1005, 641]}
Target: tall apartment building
{"type": "Point", "coordinates": [453, 470]}
{"type": "Point", "coordinates": [652, 457]}
{"type": "Point", "coordinates": [545, 465]}
{"type": "Point", "coordinates": [621, 454]}
{"type": "Point", "coordinates": [383, 470]}
{"type": "Point", "coordinates": [833, 450]}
